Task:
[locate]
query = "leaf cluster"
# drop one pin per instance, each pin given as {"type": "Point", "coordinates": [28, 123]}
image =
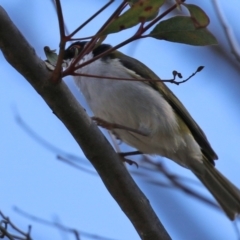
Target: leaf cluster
{"type": "Point", "coordinates": [190, 30]}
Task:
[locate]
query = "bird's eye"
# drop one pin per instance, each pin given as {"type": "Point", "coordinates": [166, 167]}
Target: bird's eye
{"type": "Point", "coordinates": [72, 52]}
{"type": "Point", "coordinates": [75, 49]}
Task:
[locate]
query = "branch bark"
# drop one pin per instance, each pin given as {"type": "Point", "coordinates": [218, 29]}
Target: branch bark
{"type": "Point", "coordinates": [58, 97]}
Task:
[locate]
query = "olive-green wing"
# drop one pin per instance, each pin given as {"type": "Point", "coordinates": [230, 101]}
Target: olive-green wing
{"type": "Point", "coordinates": [178, 107]}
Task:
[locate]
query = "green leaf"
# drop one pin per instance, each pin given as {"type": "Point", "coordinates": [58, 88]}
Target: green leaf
{"type": "Point", "coordinates": [51, 55]}
{"type": "Point", "coordinates": [182, 30]}
{"type": "Point", "coordinates": [150, 18]}
{"type": "Point", "coordinates": [140, 11]}
{"type": "Point", "coordinates": [200, 18]}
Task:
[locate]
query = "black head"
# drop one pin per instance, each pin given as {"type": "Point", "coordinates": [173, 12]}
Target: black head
{"type": "Point", "coordinates": [100, 49]}
{"type": "Point", "coordinates": [75, 48]}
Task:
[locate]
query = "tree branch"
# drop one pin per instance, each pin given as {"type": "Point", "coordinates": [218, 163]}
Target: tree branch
{"type": "Point", "coordinates": [58, 97]}
{"type": "Point", "coordinates": [234, 46]}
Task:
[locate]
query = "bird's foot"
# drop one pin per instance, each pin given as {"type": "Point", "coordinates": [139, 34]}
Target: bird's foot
{"type": "Point", "coordinates": [130, 162]}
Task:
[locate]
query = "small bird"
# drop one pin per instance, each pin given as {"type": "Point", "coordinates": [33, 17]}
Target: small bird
{"type": "Point", "coordinates": [153, 120]}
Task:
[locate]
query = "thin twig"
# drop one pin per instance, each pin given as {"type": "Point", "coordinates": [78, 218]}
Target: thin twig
{"type": "Point", "coordinates": [56, 75]}
{"type": "Point", "coordinates": [4, 232]}
{"type": "Point", "coordinates": [234, 46]}
{"type": "Point", "coordinates": [65, 27]}
{"type": "Point", "coordinates": [60, 19]}
{"type": "Point", "coordinates": [175, 181]}
{"type": "Point", "coordinates": [71, 163]}
{"type": "Point", "coordinates": [43, 142]}
{"type": "Point", "coordinates": [80, 39]}
{"type": "Point", "coordinates": [90, 19]}
{"type": "Point", "coordinates": [58, 225]}
{"type": "Point", "coordinates": [93, 41]}
{"type": "Point", "coordinates": [236, 228]}
{"type": "Point", "coordinates": [173, 80]}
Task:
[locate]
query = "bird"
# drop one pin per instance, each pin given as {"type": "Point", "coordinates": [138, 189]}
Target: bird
{"type": "Point", "coordinates": [153, 119]}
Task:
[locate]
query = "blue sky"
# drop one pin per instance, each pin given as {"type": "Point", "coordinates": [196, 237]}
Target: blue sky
{"type": "Point", "coordinates": [31, 177]}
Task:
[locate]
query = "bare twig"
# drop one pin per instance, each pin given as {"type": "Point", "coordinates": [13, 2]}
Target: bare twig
{"type": "Point", "coordinates": [175, 181]}
{"type": "Point", "coordinates": [5, 233]}
{"type": "Point", "coordinates": [173, 80]}
{"type": "Point", "coordinates": [236, 228]}
{"type": "Point", "coordinates": [60, 19]}
{"type": "Point", "coordinates": [234, 46]}
{"type": "Point", "coordinates": [46, 144]}
{"type": "Point", "coordinates": [77, 166]}
{"type": "Point", "coordinates": [93, 41]}
{"type": "Point", "coordinates": [75, 232]}
{"type": "Point", "coordinates": [56, 74]}
{"type": "Point", "coordinates": [90, 19]}
{"type": "Point", "coordinates": [65, 27]}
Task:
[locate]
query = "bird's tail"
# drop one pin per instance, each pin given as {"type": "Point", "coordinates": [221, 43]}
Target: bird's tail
{"type": "Point", "coordinates": [226, 194]}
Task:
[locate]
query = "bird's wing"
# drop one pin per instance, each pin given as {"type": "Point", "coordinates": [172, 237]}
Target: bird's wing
{"type": "Point", "coordinates": [178, 107]}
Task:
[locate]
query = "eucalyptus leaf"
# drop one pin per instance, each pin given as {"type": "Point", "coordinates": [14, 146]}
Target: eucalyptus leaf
{"type": "Point", "coordinates": [140, 11]}
{"type": "Point", "coordinates": [51, 55]}
{"type": "Point", "coordinates": [182, 29]}
{"type": "Point", "coordinates": [150, 18]}
{"type": "Point", "coordinates": [200, 18]}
